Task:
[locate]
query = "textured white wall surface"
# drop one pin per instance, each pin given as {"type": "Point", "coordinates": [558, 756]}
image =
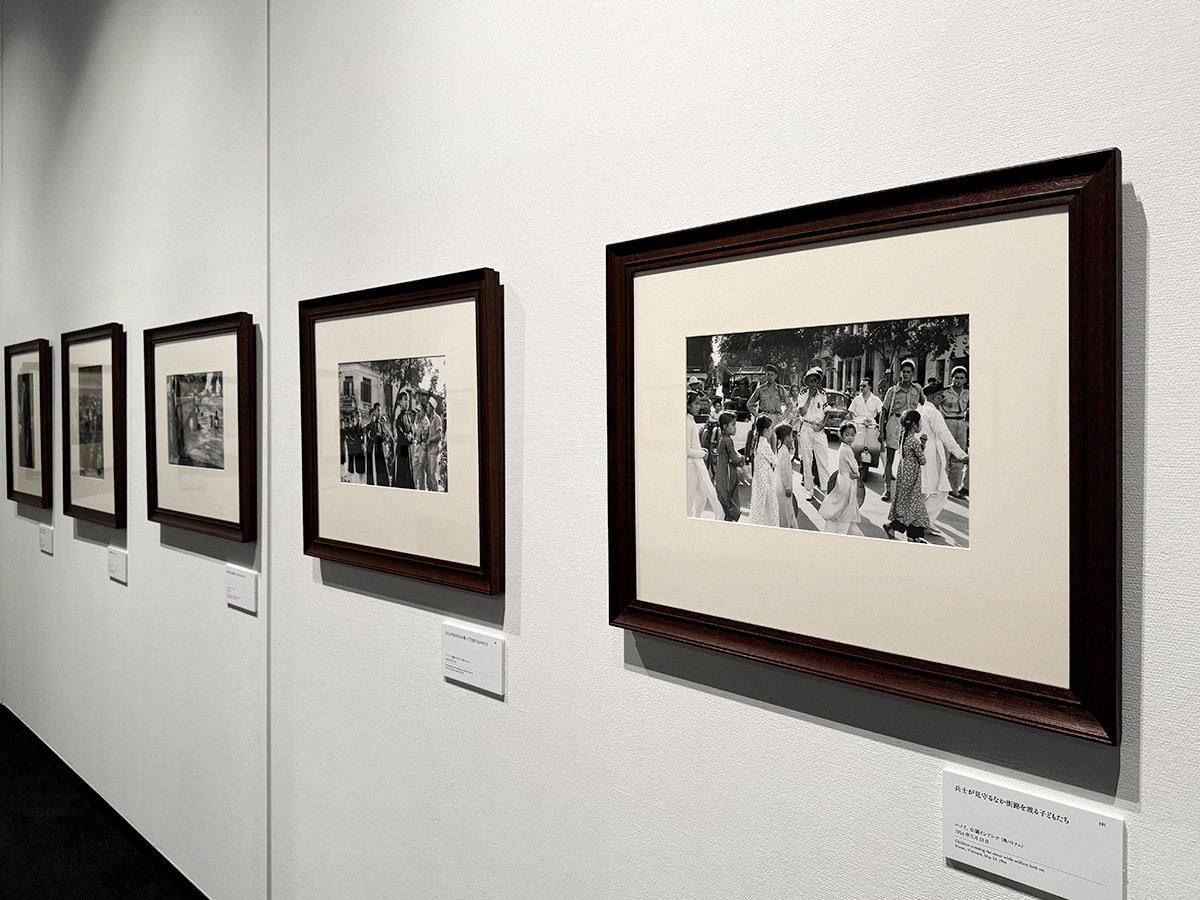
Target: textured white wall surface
{"type": "Point", "coordinates": [134, 190]}
{"type": "Point", "coordinates": [413, 139]}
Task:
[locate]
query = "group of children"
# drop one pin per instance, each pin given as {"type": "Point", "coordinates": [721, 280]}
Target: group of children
{"type": "Point", "coordinates": [772, 500]}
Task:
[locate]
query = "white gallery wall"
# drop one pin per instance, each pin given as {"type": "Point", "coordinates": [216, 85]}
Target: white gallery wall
{"type": "Point", "coordinates": [134, 155]}
{"type": "Point", "coordinates": [166, 160]}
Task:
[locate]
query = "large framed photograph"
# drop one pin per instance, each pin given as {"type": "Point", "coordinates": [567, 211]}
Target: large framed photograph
{"type": "Point", "coordinates": [201, 426]}
{"type": "Point", "coordinates": [93, 423]}
{"type": "Point", "coordinates": [402, 425]}
{"type": "Point", "coordinates": [27, 405]}
{"type": "Point", "coordinates": [878, 439]}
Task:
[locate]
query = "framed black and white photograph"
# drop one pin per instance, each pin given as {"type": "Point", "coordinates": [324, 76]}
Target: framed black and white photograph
{"type": "Point", "coordinates": [393, 430]}
{"type": "Point", "coordinates": [878, 439]}
{"type": "Point", "coordinates": [854, 428]}
{"type": "Point", "coordinates": [28, 408]}
{"type": "Point", "coordinates": [402, 429]}
{"type": "Point", "coordinates": [93, 422]}
{"type": "Point", "coordinates": [196, 419]}
{"type": "Point", "coordinates": [201, 426]}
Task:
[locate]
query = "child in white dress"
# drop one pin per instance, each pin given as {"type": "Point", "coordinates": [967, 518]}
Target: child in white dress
{"type": "Point", "coordinates": [783, 475]}
{"type": "Point", "coordinates": [840, 508]}
{"type": "Point", "coordinates": [764, 508]}
{"type": "Point", "coordinates": [700, 490]}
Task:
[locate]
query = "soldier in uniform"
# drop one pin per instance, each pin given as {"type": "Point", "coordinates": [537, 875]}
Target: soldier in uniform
{"type": "Point", "coordinates": [811, 440]}
{"type": "Point", "coordinates": [899, 399]}
{"type": "Point", "coordinates": [420, 442]}
{"type": "Point", "coordinates": [769, 399]}
{"type": "Point", "coordinates": [433, 445]}
{"type": "Point", "coordinates": [956, 408]}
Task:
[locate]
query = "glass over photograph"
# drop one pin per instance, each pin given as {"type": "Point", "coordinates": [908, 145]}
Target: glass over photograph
{"type": "Point", "coordinates": [393, 423]}
{"type": "Point", "coordinates": [91, 422]}
{"type": "Point", "coordinates": [859, 429]}
{"type": "Point", "coordinates": [25, 420]}
{"type": "Point", "coordinates": [196, 420]}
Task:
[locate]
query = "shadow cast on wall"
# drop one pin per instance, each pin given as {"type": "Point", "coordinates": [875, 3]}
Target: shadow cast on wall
{"type": "Point", "coordinates": [35, 514]}
{"type": "Point", "coordinates": [912, 722]}
{"type": "Point", "coordinates": [1135, 355]}
{"type": "Point", "coordinates": [1111, 771]}
{"type": "Point", "coordinates": [436, 598]}
{"type": "Point", "coordinates": [215, 548]}
{"type": "Point", "coordinates": [101, 535]}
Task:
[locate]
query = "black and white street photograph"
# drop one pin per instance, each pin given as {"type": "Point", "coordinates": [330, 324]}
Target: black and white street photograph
{"type": "Point", "coordinates": [91, 421]}
{"type": "Point", "coordinates": [860, 429]}
{"type": "Point", "coordinates": [196, 420]}
{"type": "Point", "coordinates": [393, 423]}
{"type": "Point", "coordinates": [25, 420]}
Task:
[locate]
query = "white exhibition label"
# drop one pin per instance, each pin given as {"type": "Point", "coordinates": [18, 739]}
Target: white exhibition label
{"type": "Point", "coordinates": [118, 565]}
{"type": "Point", "coordinates": [474, 657]}
{"type": "Point", "coordinates": [1060, 848]}
{"type": "Point", "coordinates": [46, 539]}
{"type": "Point", "coordinates": [241, 589]}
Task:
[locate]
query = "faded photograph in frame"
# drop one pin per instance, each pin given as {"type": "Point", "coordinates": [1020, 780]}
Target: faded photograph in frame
{"type": "Point", "coordinates": [27, 402]}
{"type": "Point", "coordinates": [94, 424]}
{"type": "Point", "coordinates": [201, 426]}
{"type": "Point", "coordinates": [402, 387]}
{"type": "Point", "coordinates": [1023, 623]}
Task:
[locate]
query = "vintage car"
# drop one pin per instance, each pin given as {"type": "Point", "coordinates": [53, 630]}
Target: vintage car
{"type": "Point", "coordinates": [837, 410]}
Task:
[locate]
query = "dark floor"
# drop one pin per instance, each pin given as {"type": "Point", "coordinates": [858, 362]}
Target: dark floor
{"type": "Point", "coordinates": [59, 840]}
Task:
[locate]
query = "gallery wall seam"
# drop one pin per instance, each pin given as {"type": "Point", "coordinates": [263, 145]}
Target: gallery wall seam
{"type": "Point", "coordinates": [3, 307]}
{"type": "Point", "coordinates": [369, 179]}
{"type": "Point", "coordinates": [266, 359]}
{"type": "Point", "coordinates": [156, 175]}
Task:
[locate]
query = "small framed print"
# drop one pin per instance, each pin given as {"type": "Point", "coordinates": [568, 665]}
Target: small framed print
{"type": "Point", "coordinates": [402, 429]}
{"type": "Point", "coordinates": [201, 421]}
{"type": "Point", "coordinates": [27, 404]}
{"type": "Point", "coordinates": [878, 439]}
{"type": "Point", "coordinates": [93, 422]}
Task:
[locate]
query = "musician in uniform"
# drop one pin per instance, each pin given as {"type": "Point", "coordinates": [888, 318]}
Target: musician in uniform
{"type": "Point", "coordinates": [375, 436]}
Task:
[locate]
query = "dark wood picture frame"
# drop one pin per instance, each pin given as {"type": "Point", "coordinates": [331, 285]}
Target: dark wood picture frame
{"type": "Point", "coordinates": [245, 527]}
{"type": "Point", "coordinates": [1089, 186]}
{"type": "Point", "coordinates": [484, 288]}
{"type": "Point", "coordinates": [45, 438]}
{"type": "Point", "coordinates": [116, 334]}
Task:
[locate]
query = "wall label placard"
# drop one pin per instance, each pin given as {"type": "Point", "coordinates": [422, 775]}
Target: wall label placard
{"type": "Point", "coordinates": [241, 589]}
{"type": "Point", "coordinates": [46, 539]}
{"type": "Point", "coordinates": [118, 565]}
{"type": "Point", "coordinates": [1063, 849]}
{"type": "Point", "coordinates": [473, 656]}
